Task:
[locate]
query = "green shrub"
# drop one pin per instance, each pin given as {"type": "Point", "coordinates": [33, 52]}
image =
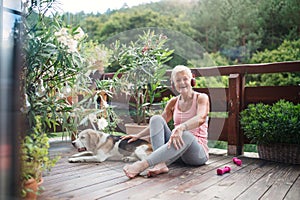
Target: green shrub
{"type": "Point", "coordinates": [217, 144]}
{"type": "Point", "coordinates": [277, 123]}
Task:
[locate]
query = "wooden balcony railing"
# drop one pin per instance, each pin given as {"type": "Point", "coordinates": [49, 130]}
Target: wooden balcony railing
{"type": "Point", "coordinates": [237, 96]}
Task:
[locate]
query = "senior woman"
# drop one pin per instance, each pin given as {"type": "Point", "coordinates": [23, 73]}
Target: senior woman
{"type": "Point", "coordinates": [187, 141]}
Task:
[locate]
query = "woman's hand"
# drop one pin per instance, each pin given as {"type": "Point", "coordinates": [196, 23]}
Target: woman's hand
{"type": "Point", "coordinates": [176, 138]}
{"type": "Point", "coordinates": [131, 138]}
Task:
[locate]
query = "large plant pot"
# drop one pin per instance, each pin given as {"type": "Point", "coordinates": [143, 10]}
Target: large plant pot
{"type": "Point", "coordinates": [285, 153]}
{"type": "Point", "coordinates": [133, 128]}
{"type": "Point", "coordinates": [32, 187]}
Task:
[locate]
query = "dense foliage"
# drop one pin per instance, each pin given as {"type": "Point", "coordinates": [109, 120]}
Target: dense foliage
{"type": "Point", "coordinates": [52, 67]}
{"type": "Point", "coordinates": [287, 51]}
{"type": "Point", "coordinates": [53, 74]}
{"type": "Point", "coordinates": [142, 69]}
{"type": "Point", "coordinates": [231, 32]}
{"type": "Point", "coordinates": [277, 123]}
{"type": "Point", "coordinates": [235, 28]}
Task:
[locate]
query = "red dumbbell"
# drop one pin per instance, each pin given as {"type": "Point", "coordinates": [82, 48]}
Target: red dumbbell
{"type": "Point", "coordinates": [237, 161]}
{"type": "Point", "coordinates": [224, 170]}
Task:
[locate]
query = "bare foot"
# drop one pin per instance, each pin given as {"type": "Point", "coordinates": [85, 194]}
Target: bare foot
{"type": "Point", "coordinates": [134, 169]}
{"type": "Point", "coordinates": [158, 169]}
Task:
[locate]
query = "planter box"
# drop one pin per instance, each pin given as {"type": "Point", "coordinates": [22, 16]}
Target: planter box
{"type": "Point", "coordinates": [285, 153]}
{"type": "Point", "coordinates": [132, 129]}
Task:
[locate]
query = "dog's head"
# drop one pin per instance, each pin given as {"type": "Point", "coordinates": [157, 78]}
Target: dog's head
{"type": "Point", "coordinates": [89, 140]}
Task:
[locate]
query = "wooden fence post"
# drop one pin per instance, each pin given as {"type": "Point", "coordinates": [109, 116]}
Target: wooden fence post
{"type": "Point", "coordinates": [235, 139]}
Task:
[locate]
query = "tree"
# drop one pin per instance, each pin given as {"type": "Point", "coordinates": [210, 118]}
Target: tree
{"type": "Point", "coordinates": [129, 20]}
{"type": "Point", "coordinates": [287, 51]}
{"type": "Point", "coordinates": [280, 20]}
{"type": "Point", "coordinates": [243, 32]}
{"type": "Point", "coordinates": [208, 19]}
{"type": "Point", "coordinates": [235, 28]}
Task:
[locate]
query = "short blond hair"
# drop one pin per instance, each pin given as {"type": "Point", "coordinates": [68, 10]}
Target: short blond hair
{"type": "Point", "coordinates": [181, 68]}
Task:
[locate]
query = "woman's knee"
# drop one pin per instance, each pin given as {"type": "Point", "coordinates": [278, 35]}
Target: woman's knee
{"type": "Point", "coordinates": [188, 137]}
{"type": "Point", "coordinates": [194, 156]}
{"type": "Point", "coordinates": [156, 119]}
{"type": "Point", "coordinates": [195, 161]}
{"type": "Point", "coordinates": [156, 125]}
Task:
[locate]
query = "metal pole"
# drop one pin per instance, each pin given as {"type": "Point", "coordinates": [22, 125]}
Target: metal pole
{"type": "Point", "coordinates": [10, 117]}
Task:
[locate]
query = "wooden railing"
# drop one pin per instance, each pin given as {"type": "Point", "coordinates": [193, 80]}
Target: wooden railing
{"type": "Point", "coordinates": [237, 96]}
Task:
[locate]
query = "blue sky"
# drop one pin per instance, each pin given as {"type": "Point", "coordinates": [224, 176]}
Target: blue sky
{"type": "Point", "coordinates": [97, 5]}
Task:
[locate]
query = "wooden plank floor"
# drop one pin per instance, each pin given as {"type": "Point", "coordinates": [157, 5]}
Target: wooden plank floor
{"type": "Point", "coordinates": [255, 179]}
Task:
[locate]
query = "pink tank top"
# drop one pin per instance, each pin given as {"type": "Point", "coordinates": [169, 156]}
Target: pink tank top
{"type": "Point", "coordinates": [180, 117]}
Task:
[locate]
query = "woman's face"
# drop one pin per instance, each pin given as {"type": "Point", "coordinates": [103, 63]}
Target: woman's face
{"type": "Point", "coordinates": [182, 82]}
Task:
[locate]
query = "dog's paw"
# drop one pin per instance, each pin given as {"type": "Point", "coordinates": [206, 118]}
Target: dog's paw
{"type": "Point", "coordinates": [125, 159]}
{"type": "Point", "coordinates": [73, 160]}
{"type": "Point", "coordinates": [128, 159]}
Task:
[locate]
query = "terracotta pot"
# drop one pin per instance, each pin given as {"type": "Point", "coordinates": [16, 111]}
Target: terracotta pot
{"type": "Point", "coordinates": [133, 128]}
{"type": "Point", "coordinates": [40, 182]}
{"type": "Point", "coordinates": [72, 99]}
{"type": "Point", "coordinates": [32, 186]}
{"type": "Point", "coordinates": [103, 99]}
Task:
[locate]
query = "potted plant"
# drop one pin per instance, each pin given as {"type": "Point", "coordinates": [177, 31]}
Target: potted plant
{"type": "Point", "coordinates": [52, 63]}
{"type": "Point", "coordinates": [142, 69]}
{"type": "Point", "coordinates": [35, 160]}
{"type": "Point", "coordinates": [99, 114]}
{"type": "Point", "coordinates": [275, 130]}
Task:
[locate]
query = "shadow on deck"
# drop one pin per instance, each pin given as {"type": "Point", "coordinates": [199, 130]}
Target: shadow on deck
{"type": "Point", "coordinates": [255, 179]}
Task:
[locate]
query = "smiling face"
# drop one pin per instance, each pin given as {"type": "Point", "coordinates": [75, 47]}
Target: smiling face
{"type": "Point", "coordinates": [182, 82]}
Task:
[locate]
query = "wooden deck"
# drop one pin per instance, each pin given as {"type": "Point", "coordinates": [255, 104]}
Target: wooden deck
{"type": "Point", "coordinates": [255, 179]}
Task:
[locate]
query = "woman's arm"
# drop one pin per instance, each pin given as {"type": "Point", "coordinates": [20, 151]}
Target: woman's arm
{"type": "Point", "coordinates": [169, 109]}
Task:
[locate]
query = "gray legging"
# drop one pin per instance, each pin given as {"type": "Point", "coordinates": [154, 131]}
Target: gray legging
{"type": "Point", "coordinates": [192, 153]}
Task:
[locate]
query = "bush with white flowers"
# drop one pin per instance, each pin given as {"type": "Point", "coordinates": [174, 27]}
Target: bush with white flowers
{"type": "Point", "coordinates": [54, 69]}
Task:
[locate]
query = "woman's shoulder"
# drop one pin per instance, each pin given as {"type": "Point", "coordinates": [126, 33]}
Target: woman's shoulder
{"type": "Point", "coordinates": [169, 109]}
{"type": "Point", "coordinates": [202, 96]}
{"type": "Point", "coordinates": [173, 100]}
{"type": "Point", "coordinates": [171, 103]}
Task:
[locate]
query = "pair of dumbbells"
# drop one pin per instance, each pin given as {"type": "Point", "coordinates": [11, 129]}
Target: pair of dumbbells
{"type": "Point", "coordinates": [227, 169]}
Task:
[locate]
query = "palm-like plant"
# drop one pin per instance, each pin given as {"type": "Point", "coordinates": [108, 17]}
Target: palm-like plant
{"type": "Point", "coordinates": [142, 69]}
